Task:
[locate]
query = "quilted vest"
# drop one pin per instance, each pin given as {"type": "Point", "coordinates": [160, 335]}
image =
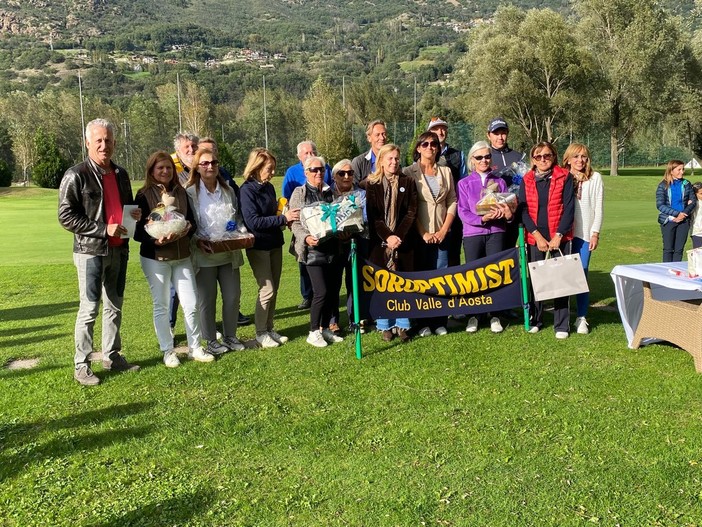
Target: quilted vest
{"type": "Point", "coordinates": [555, 202]}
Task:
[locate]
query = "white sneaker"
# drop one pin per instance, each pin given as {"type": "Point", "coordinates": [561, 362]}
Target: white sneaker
{"type": "Point", "coordinates": [441, 331]}
{"type": "Point", "coordinates": [215, 348]}
{"type": "Point", "coordinates": [219, 335]}
{"type": "Point", "coordinates": [280, 339]}
{"type": "Point", "coordinates": [424, 332]}
{"type": "Point", "coordinates": [495, 325]}
{"type": "Point", "coordinates": [200, 355]}
{"type": "Point", "coordinates": [581, 326]}
{"type": "Point", "coordinates": [534, 329]}
{"type": "Point", "coordinates": [472, 326]}
{"type": "Point", "coordinates": [560, 335]}
{"type": "Point", "coordinates": [170, 359]}
{"type": "Point", "coordinates": [266, 341]}
{"type": "Point", "coordinates": [233, 344]}
{"type": "Point", "coordinates": [316, 339]}
{"type": "Point", "coordinates": [330, 337]}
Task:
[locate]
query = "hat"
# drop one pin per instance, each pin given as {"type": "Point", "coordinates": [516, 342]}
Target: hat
{"type": "Point", "coordinates": [497, 123]}
{"type": "Point", "coordinates": [436, 121]}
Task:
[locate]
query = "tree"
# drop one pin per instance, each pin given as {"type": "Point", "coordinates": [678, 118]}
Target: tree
{"type": "Point", "coordinates": [49, 165]}
{"type": "Point", "coordinates": [544, 76]}
{"type": "Point", "coordinates": [325, 121]}
{"type": "Point", "coordinates": [7, 158]}
{"type": "Point", "coordinates": [634, 43]}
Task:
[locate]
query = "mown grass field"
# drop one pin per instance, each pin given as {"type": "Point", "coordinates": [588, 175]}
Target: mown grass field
{"type": "Point", "coordinates": [463, 430]}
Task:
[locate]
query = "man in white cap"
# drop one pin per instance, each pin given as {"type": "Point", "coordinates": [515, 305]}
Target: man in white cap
{"type": "Point", "coordinates": [456, 161]}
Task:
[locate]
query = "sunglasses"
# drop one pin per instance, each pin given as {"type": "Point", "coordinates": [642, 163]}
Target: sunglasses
{"type": "Point", "coordinates": [543, 157]}
{"type": "Point", "coordinates": [480, 158]}
{"type": "Point", "coordinates": [427, 144]}
{"type": "Point", "coordinates": [345, 173]}
{"type": "Point", "coordinates": [205, 164]}
{"type": "Point", "coordinates": [316, 170]}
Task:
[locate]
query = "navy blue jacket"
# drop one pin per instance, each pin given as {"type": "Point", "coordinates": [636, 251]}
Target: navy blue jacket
{"type": "Point", "coordinates": [663, 199]}
{"type": "Point", "coordinates": [258, 207]}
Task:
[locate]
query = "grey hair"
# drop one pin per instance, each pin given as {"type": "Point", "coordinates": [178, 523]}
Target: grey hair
{"type": "Point", "coordinates": [209, 140]}
{"type": "Point", "coordinates": [311, 159]}
{"type": "Point", "coordinates": [480, 145]}
{"type": "Point", "coordinates": [303, 143]}
{"type": "Point", "coordinates": [341, 164]}
{"type": "Point", "coordinates": [99, 123]}
{"type": "Point", "coordinates": [180, 136]}
{"type": "Point", "coordinates": [373, 124]}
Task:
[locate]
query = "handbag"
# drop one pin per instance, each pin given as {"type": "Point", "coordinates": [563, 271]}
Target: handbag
{"type": "Point", "coordinates": [557, 277]}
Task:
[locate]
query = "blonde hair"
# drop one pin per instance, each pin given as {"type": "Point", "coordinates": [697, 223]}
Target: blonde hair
{"type": "Point", "coordinates": [377, 176]}
{"type": "Point", "coordinates": [258, 158]}
{"type": "Point", "coordinates": [573, 150]}
{"type": "Point", "coordinates": [668, 176]}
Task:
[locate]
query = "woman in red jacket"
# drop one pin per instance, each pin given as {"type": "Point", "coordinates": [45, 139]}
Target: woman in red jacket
{"type": "Point", "coordinates": [548, 209]}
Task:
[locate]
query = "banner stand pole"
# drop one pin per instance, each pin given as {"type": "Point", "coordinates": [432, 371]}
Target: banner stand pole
{"type": "Point", "coordinates": [356, 310]}
{"type": "Point", "coordinates": [523, 275]}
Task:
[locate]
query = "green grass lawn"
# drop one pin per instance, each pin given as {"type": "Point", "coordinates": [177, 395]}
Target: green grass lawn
{"type": "Point", "coordinates": [463, 430]}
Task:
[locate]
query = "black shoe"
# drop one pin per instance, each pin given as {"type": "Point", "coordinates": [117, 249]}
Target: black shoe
{"type": "Point", "coordinates": [117, 362]}
{"type": "Point", "coordinates": [243, 320]}
{"type": "Point", "coordinates": [402, 333]}
{"type": "Point", "coordinates": [305, 304]}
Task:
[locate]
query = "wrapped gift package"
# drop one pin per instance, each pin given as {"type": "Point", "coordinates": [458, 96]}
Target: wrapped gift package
{"type": "Point", "coordinates": [164, 221]}
{"type": "Point", "coordinates": [486, 203]}
{"type": "Point", "coordinates": [323, 220]}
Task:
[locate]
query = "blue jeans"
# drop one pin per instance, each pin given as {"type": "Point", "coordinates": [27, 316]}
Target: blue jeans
{"type": "Point", "coordinates": [582, 300]}
{"type": "Point", "coordinates": [384, 324]}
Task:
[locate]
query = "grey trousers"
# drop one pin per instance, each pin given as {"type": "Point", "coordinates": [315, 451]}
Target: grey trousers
{"type": "Point", "coordinates": [230, 285]}
{"type": "Point", "coordinates": [266, 267]}
{"type": "Point", "coordinates": [100, 277]}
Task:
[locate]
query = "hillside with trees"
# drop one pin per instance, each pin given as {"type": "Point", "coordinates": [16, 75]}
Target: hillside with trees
{"type": "Point", "coordinates": [548, 67]}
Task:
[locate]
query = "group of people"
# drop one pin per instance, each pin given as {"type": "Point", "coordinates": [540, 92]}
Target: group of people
{"type": "Point", "coordinates": [418, 217]}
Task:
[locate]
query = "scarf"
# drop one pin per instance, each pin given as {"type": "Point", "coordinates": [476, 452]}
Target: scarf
{"type": "Point", "coordinates": [578, 179]}
{"type": "Point", "coordinates": [390, 183]}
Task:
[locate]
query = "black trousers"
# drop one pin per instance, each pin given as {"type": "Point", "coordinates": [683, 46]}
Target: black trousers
{"type": "Point", "coordinates": [326, 283]}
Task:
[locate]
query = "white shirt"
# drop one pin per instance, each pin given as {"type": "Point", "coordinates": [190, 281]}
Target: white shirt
{"type": "Point", "coordinates": [589, 208]}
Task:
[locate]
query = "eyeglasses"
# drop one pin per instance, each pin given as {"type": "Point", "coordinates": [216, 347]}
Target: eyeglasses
{"type": "Point", "coordinates": [480, 158]}
{"type": "Point", "coordinates": [316, 170]}
{"type": "Point", "coordinates": [345, 173]}
{"type": "Point", "coordinates": [427, 144]}
{"type": "Point", "coordinates": [543, 157]}
{"type": "Point", "coordinates": [206, 164]}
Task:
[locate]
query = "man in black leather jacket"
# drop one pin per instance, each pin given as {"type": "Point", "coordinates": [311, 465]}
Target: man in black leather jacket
{"type": "Point", "coordinates": [91, 200]}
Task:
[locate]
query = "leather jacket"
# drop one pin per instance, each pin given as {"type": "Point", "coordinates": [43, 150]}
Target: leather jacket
{"type": "Point", "coordinates": [81, 205]}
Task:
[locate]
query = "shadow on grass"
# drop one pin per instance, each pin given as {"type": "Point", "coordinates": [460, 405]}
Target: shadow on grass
{"type": "Point", "coordinates": [175, 511]}
{"type": "Point", "coordinates": [11, 332]}
{"type": "Point", "coordinates": [38, 311]}
{"type": "Point", "coordinates": [25, 438]}
{"type": "Point", "coordinates": [24, 341]}
{"type": "Point", "coordinates": [18, 374]}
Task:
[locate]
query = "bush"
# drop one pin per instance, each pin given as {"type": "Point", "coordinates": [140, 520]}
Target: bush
{"type": "Point", "coordinates": [5, 174]}
{"type": "Point", "coordinates": [50, 165]}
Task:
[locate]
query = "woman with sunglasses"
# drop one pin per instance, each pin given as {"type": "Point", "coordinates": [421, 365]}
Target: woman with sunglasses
{"type": "Point", "coordinates": [321, 258]}
{"type": "Point", "coordinates": [166, 261]}
{"type": "Point", "coordinates": [548, 209]}
{"type": "Point", "coordinates": [344, 183]}
{"type": "Point", "coordinates": [206, 189]}
{"type": "Point", "coordinates": [483, 235]}
{"type": "Point", "coordinates": [589, 205]}
{"type": "Point", "coordinates": [391, 205]}
{"type": "Point", "coordinates": [259, 206]}
{"type": "Point", "coordinates": [436, 210]}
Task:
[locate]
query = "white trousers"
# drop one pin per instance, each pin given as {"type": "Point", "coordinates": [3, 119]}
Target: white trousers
{"type": "Point", "coordinates": [160, 275]}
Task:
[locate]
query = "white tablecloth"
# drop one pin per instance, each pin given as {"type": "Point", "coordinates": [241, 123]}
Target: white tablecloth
{"type": "Point", "coordinates": [664, 286]}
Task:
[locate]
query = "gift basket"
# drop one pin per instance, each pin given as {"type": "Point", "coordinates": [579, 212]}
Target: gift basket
{"type": "Point", "coordinates": [513, 175]}
{"type": "Point", "coordinates": [224, 233]}
{"type": "Point", "coordinates": [164, 219]}
{"type": "Point", "coordinates": [694, 263]}
{"type": "Point", "coordinates": [324, 220]}
{"type": "Point", "coordinates": [490, 198]}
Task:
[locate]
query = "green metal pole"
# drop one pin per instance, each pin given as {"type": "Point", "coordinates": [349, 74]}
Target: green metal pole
{"type": "Point", "coordinates": [356, 310]}
{"type": "Point", "coordinates": [523, 273]}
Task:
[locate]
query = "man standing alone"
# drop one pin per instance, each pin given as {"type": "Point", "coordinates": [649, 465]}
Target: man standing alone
{"type": "Point", "coordinates": [91, 200]}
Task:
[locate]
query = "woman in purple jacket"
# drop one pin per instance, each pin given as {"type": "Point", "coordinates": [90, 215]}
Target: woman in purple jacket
{"type": "Point", "coordinates": [483, 235]}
